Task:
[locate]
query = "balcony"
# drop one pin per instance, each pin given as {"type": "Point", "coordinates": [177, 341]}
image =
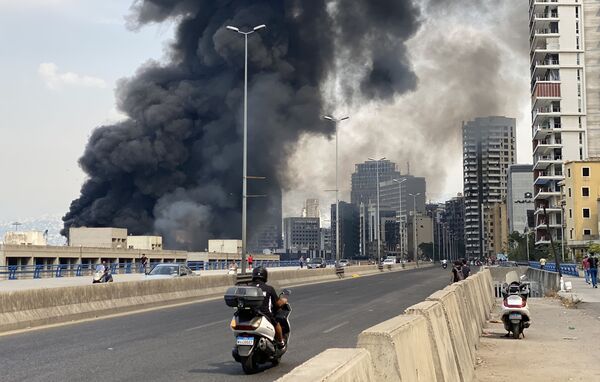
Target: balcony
{"type": "Point", "coordinates": [546, 146]}
{"type": "Point", "coordinates": [549, 210]}
{"type": "Point", "coordinates": [546, 193]}
{"type": "Point", "coordinates": [544, 177]}
{"type": "Point", "coordinates": [542, 162]}
{"type": "Point", "coordinates": [541, 113]}
{"type": "Point", "coordinates": [543, 131]}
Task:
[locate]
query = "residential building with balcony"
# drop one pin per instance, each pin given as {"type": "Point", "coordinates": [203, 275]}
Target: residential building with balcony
{"type": "Point", "coordinates": [581, 193]}
{"type": "Point", "coordinates": [565, 99]}
{"type": "Point", "coordinates": [488, 149]}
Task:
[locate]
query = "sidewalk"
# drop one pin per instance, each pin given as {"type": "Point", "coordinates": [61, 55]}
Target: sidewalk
{"type": "Point", "coordinates": [562, 344]}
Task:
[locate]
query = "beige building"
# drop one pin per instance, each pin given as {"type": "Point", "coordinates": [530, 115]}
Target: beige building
{"type": "Point", "coordinates": [24, 238]}
{"type": "Point", "coordinates": [424, 233]}
{"type": "Point", "coordinates": [225, 246]}
{"type": "Point", "coordinates": [496, 229]}
{"type": "Point", "coordinates": [98, 237]}
{"type": "Point", "coordinates": [151, 243]}
{"type": "Point", "coordinates": [581, 193]}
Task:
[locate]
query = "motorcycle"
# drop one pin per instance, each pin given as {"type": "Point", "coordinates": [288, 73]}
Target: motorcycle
{"type": "Point", "coordinates": [515, 312]}
{"type": "Point", "coordinates": [254, 333]}
{"type": "Point", "coordinates": [444, 264]}
{"type": "Point", "coordinates": [101, 277]}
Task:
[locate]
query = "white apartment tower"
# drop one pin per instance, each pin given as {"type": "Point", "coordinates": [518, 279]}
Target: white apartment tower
{"type": "Point", "coordinates": [565, 98]}
{"type": "Point", "coordinates": [488, 150]}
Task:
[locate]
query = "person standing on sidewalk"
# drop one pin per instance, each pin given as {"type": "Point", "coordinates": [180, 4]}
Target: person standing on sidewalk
{"type": "Point", "coordinates": [250, 261]}
{"type": "Point", "coordinates": [586, 268]}
{"type": "Point", "coordinates": [593, 260]}
{"type": "Point", "coordinates": [301, 262]}
{"type": "Point", "coordinates": [542, 263]}
{"type": "Point", "coordinates": [466, 270]}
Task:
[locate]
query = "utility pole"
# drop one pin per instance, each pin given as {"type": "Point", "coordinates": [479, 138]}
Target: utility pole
{"type": "Point", "coordinates": [415, 246]}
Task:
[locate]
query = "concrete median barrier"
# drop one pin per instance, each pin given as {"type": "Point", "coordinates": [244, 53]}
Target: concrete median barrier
{"type": "Point", "coordinates": [36, 307]}
{"type": "Point", "coordinates": [474, 307]}
{"type": "Point", "coordinates": [480, 296]}
{"type": "Point", "coordinates": [464, 354]}
{"type": "Point", "coordinates": [446, 367]}
{"type": "Point", "coordinates": [468, 317]}
{"type": "Point", "coordinates": [399, 350]}
{"type": "Point", "coordinates": [334, 365]}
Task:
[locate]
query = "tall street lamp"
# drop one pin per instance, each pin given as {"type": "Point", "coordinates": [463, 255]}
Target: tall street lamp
{"type": "Point", "coordinates": [245, 160]}
{"type": "Point", "coordinates": [415, 253]}
{"type": "Point", "coordinates": [400, 224]}
{"type": "Point", "coordinates": [378, 221]}
{"type": "Point", "coordinates": [336, 121]}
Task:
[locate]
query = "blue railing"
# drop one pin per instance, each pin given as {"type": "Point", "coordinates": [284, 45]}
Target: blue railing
{"type": "Point", "coordinates": [565, 268]}
{"type": "Point", "coordinates": [14, 272]}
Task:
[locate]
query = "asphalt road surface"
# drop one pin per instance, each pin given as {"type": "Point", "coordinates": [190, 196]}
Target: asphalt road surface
{"type": "Point", "coordinates": [193, 342]}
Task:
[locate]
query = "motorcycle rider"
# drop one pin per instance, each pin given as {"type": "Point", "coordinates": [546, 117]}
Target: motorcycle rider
{"type": "Point", "coordinates": [272, 302]}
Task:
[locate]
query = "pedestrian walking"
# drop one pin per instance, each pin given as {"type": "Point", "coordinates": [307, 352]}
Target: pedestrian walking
{"type": "Point", "coordinates": [542, 263]}
{"type": "Point", "coordinates": [585, 264]}
{"type": "Point", "coordinates": [593, 260]}
{"type": "Point", "coordinates": [250, 261]}
{"type": "Point", "coordinates": [301, 262]}
{"type": "Point", "coordinates": [144, 261]}
{"type": "Point", "coordinates": [457, 274]}
{"type": "Point", "coordinates": [466, 270]}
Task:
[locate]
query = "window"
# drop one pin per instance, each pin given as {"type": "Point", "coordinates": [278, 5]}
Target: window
{"type": "Point", "coordinates": [570, 213]}
{"type": "Point", "coordinates": [581, 153]}
{"type": "Point", "coordinates": [571, 234]}
{"type": "Point", "coordinates": [585, 191]}
{"type": "Point", "coordinates": [586, 213]}
{"type": "Point", "coordinates": [569, 192]}
{"type": "Point", "coordinates": [587, 232]}
{"type": "Point", "coordinates": [569, 172]}
{"type": "Point", "coordinates": [580, 138]}
{"type": "Point", "coordinates": [585, 171]}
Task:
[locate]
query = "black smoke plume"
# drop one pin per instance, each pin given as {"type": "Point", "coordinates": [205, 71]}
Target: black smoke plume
{"type": "Point", "coordinates": [174, 166]}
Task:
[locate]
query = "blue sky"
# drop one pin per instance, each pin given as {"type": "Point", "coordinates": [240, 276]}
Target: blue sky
{"type": "Point", "coordinates": [60, 63]}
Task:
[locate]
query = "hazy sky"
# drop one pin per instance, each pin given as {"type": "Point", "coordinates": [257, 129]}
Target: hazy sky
{"type": "Point", "coordinates": [63, 58]}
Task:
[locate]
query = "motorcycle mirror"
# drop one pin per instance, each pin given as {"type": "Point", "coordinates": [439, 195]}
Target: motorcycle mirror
{"type": "Point", "coordinates": [287, 292]}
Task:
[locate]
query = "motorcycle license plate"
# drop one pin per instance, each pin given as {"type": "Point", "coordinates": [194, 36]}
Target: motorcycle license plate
{"type": "Point", "coordinates": [514, 316]}
{"type": "Point", "coordinates": [245, 341]}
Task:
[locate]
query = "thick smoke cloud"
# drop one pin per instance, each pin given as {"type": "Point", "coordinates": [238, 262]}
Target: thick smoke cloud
{"type": "Point", "coordinates": [174, 166]}
{"type": "Point", "coordinates": [471, 59]}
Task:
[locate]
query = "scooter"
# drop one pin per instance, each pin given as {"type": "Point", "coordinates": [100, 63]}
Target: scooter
{"type": "Point", "coordinates": [101, 277]}
{"type": "Point", "coordinates": [254, 334]}
{"type": "Point", "coordinates": [515, 312]}
{"type": "Point", "coordinates": [444, 264]}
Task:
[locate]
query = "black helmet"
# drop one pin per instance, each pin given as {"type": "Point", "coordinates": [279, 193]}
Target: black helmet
{"type": "Point", "coordinates": [260, 273]}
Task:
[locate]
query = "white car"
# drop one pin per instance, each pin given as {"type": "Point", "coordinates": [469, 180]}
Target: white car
{"type": "Point", "coordinates": [389, 261]}
{"type": "Point", "coordinates": [169, 271]}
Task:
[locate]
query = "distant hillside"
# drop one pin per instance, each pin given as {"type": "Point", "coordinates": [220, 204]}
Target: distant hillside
{"type": "Point", "coordinates": [52, 223]}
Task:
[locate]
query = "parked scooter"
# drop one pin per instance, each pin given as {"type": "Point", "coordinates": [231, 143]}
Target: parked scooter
{"type": "Point", "coordinates": [515, 312]}
{"type": "Point", "coordinates": [444, 264]}
{"type": "Point", "coordinates": [255, 335]}
{"type": "Point", "coordinates": [102, 275]}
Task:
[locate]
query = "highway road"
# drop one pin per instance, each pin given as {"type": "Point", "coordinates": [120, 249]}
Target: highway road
{"type": "Point", "coordinates": [193, 342]}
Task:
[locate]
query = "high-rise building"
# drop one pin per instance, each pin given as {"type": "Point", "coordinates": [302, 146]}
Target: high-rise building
{"type": "Point", "coordinates": [325, 243]}
{"type": "Point", "coordinates": [488, 150]}
{"type": "Point", "coordinates": [389, 194]}
{"type": "Point", "coordinates": [581, 192]}
{"type": "Point", "coordinates": [565, 99]}
{"type": "Point", "coordinates": [302, 236]}
{"type": "Point", "coordinates": [349, 228]}
{"type": "Point", "coordinates": [519, 196]}
{"type": "Point", "coordinates": [311, 209]}
{"type": "Point", "coordinates": [364, 180]}
{"type": "Point", "coordinates": [452, 227]}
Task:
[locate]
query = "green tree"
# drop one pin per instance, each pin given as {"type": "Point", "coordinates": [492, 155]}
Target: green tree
{"type": "Point", "coordinates": [594, 248]}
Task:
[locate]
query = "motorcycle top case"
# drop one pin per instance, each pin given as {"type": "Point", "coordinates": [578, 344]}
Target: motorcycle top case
{"type": "Point", "coordinates": [244, 296]}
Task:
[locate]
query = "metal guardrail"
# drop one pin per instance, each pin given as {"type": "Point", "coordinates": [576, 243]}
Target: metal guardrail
{"type": "Point", "coordinates": [38, 271]}
{"type": "Point", "coordinates": [570, 269]}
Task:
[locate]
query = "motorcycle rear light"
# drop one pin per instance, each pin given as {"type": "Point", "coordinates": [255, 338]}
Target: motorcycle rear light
{"type": "Point", "coordinates": [245, 325]}
{"type": "Point", "coordinates": [519, 305]}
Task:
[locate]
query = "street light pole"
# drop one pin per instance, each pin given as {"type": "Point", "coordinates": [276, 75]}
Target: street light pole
{"type": "Point", "coordinates": [378, 228]}
{"type": "Point", "coordinates": [415, 252]}
{"type": "Point", "coordinates": [400, 223]}
{"type": "Point", "coordinates": [245, 159]}
{"type": "Point", "coordinates": [336, 121]}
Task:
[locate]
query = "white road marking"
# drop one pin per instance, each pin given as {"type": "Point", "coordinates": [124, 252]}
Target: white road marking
{"type": "Point", "coordinates": [206, 325]}
{"type": "Point", "coordinates": [335, 327]}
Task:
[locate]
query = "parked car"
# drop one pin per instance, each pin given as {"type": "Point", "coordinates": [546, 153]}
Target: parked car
{"type": "Point", "coordinates": [315, 262]}
{"type": "Point", "coordinates": [168, 271]}
{"type": "Point", "coordinates": [344, 262]}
